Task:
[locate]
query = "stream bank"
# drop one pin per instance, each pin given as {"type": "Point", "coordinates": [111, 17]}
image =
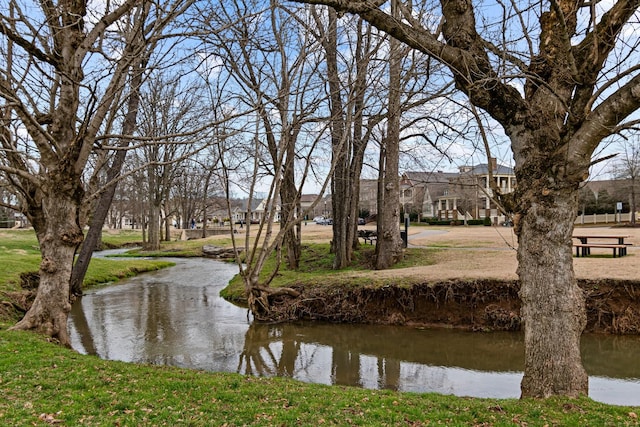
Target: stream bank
{"type": "Point", "coordinates": [613, 306]}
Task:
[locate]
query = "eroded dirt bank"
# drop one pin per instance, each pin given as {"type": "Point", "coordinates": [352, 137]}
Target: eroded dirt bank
{"type": "Point", "coordinates": [613, 306]}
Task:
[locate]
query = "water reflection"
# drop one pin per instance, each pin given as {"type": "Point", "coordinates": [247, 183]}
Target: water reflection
{"type": "Point", "coordinates": [175, 317]}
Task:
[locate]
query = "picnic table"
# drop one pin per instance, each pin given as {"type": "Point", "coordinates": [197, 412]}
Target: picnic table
{"type": "Point", "coordinates": [368, 235]}
{"type": "Point", "coordinates": [619, 246]}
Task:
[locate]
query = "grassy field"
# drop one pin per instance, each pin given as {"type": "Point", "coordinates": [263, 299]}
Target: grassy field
{"type": "Point", "coordinates": [19, 254]}
{"type": "Point", "coordinates": [44, 384]}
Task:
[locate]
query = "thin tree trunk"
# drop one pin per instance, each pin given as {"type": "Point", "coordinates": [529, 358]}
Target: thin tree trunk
{"type": "Point", "coordinates": [632, 215]}
{"type": "Point", "coordinates": [94, 234]}
{"type": "Point", "coordinates": [289, 206]}
{"type": "Point", "coordinates": [339, 180]}
{"type": "Point", "coordinates": [153, 243]}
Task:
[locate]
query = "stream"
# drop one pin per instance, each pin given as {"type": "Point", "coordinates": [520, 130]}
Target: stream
{"type": "Point", "coordinates": [176, 317]}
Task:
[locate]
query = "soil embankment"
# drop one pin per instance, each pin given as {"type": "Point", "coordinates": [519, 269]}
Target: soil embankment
{"type": "Point", "coordinates": [613, 306]}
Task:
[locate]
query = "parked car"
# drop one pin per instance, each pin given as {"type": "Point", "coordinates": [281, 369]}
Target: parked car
{"type": "Point", "coordinates": [361, 221]}
{"type": "Point", "coordinates": [318, 219]}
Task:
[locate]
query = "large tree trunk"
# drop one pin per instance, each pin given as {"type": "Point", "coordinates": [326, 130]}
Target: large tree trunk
{"type": "Point", "coordinates": [389, 244]}
{"type": "Point", "coordinates": [553, 306]}
{"type": "Point", "coordinates": [59, 236]}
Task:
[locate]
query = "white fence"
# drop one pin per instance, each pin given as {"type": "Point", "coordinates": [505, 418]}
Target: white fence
{"type": "Point", "coordinates": [604, 218]}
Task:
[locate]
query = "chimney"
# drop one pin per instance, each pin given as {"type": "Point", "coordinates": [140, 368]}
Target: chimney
{"type": "Point", "coordinates": [493, 164]}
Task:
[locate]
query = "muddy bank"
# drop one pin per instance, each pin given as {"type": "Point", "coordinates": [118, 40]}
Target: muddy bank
{"type": "Point", "coordinates": [613, 306]}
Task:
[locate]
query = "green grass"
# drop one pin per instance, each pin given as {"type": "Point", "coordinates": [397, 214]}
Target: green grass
{"type": "Point", "coordinates": [19, 253]}
{"type": "Point", "coordinates": [44, 384]}
{"type": "Point", "coordinates": [316, 264]}
{"type": "Point", "coordinates": [104, 270]}
{"type": "Point", "coordinates": [119, 238]}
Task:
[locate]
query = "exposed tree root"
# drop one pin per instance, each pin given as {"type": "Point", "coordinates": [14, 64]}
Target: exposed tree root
{"type": "Point", "coordinates": [261, 301]}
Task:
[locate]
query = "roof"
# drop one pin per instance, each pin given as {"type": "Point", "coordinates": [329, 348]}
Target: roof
{"type": "Point", "coordinates": [483, 169]}
{"type": "Point", "coordinates": [438, 177]}
{"type": "Point", "coordinates": [308, 198]}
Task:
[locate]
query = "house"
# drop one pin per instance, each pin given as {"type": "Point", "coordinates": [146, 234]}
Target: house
{"type": "Point", "coordinates": [306, 203]}
{"type": "Point", "coordinates": [456, 195]}
{"type": "Point", "coordinates": [420, 192]}
{"type": "Point", "coordinates": [368, 196]}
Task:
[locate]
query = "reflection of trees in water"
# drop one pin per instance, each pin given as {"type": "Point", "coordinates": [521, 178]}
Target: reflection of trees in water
{"type": "Point", "coordinates": [345, 367]}
{"type": "Point", "coordinates": [271, 350]}
{"type": "Point", "coordinates": [83, 329]}
{"type": "Point", "coordinates": [259, 354]}
{"type": "Point", "coordinates": [389, 374]}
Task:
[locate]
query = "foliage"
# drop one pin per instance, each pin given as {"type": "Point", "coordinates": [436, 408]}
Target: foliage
{"type": "Point", "coordinates": [45, 384]}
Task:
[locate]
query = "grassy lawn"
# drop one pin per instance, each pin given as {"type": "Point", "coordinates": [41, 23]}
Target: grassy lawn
{"type": "Point", "coordinates": [317, 269]}
{"type": "Point", "coordinates": [19, 254]}
{"type": "Point", "coordinates": [43, 384]}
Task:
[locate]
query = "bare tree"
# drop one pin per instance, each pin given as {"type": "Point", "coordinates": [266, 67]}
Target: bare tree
{"type": "Point", "coordinates": [171, 115]}
{"type": "Point", "coordinates": [352, 120]}
{"type": "Point", "coordinates": [99, 207]}
{"type": "Point", "coordinates": [271, 65]}
{"type": "Point", "coordinates": [59, 85]}
{"type": "Point", "coordinates": [566, 80]}
{"type": "Point", "coordinates": [360, 92]}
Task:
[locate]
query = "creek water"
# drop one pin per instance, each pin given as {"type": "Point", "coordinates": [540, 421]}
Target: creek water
{"type": "Point", "coordinates": [176, 317]}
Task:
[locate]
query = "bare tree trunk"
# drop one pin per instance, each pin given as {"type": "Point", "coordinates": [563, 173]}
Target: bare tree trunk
{"type": "Point", "coordinates": [632, 214]}
{"type": "Point", "coordinates": [389, 244]}
{"type": "Point", "coordinates": [153, 244]}
{"type": "Point", "coordinates": [59, 235]}
{"type": "Point", "coordinates": [338, 137]}
{"type": "Point", "coordinates": [167, 226]}
{"type": "Point", "coordinates": [359, 143]}
{"type": "Point", "coordinates": [290, 208]}
{"type": "Point", "coordinates": [553, 306]}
